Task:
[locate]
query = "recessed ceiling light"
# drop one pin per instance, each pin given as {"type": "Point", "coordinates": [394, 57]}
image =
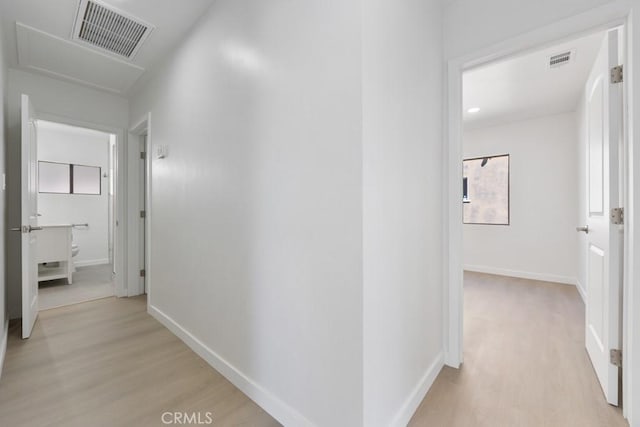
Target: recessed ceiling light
{"type": "Point", "coordinates": [473, 110]}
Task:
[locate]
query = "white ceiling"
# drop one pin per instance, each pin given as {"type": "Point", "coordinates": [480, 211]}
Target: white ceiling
{"type": "Point", "coordinates": [525, 86]}
{"type": "Point", "coordinates": [59, 127]}
{"type": "Point", "coordinates": [46, 46]}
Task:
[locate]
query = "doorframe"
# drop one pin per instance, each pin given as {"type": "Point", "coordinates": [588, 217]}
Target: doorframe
{"type": "Point", "coordinates": [120, 264]}
{"type": "Point", "coordinates": [142, 127]}
{"type": "Point", "coordinates": [599, 19]}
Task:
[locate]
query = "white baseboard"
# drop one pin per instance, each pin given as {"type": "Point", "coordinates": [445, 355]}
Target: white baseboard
{"type": "Point", "coordinates": [451, 360]}
{"type": "Point", "coordinates": [581, 291]}
{"type": "Point", "coordinates": [566, 280]}
{"type": "Point", "coordinates": [3, 344]}
{"type": "Point", "coordinates": [414, 399]}
{"type": "Point", "coordinates": [270, 403]}
{"type": "Point", "coordinates": [91, 262]}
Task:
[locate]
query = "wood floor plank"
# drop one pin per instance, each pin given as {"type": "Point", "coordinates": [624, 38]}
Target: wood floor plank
{"type": "Point", "coordinates": [108, 363]}
{"type": "Point", "coordinates": [525, 362]}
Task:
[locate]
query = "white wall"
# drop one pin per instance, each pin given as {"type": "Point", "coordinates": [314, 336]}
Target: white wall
{"type": "Point", "coordinates": [540, 242]}
{"type": "Point", "coordinates": [3, 218]}
{"type": "Point", "coordinates": [67, 144]}
{"type": "Point", "coordinates": [473, 25]}
{"type": "Point", "coordinates": [61, 99]}
{"type": "Point", "coordinates": [256, 213]}
{"type": "Point", "coordinates": [402, 152]}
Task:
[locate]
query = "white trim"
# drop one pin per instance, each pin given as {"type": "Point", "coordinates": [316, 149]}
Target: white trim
{"type": "Point", "coordinates": [452, 250]}
{"type": "Point", "coordinates": [23, 57]}
{"type": "Point", "coordinates": [3, 345]}
{"type": "Point", "coordinates": [631, 310]}
{"type": "Point", "coordinates": [91, 262]}
{"type": "Point", "coordinates": [581, 291]}
{"type": "Point", "coordinates": [60, 76]}
{"type": "Point", "coordinates": [120, 261]}
{"type": "Point", "coordinates": [148, 180]}
{"type": "Point", "coordinates": [278, 409]}
{"type": "Point", "coordinates": [554, 278]}
{"type": "Point", "coordinates": [142, 127]}
{"type": "Point", "coordinates": [601, 18]}
{"type": "Point", "coordinates": [410, 405]}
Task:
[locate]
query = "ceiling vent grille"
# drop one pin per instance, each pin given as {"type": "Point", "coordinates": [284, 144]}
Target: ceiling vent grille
{"type": "Point", "coordinates": [107, 28]}
{"type": "Point", "coordinates": [560, 59]}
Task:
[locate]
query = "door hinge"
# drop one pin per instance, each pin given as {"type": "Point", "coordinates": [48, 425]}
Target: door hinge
{"type": "Point", "coordinates": [143, 273]}
{"type": "Point", "coordinates": [617, 74]}
{"type": "Point", "coordinates": [143, 155]}
{"type": "Point", "coordinates": [617, 216]}
{"type": "Point", "coordinates": [143, 214]}
{"type": "Point", "coordinates": [615, 357]}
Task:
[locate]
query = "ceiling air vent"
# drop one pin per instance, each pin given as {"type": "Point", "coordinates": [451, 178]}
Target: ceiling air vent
{"type": "Point", "coordinates": [107, 28]}
{"type": "Point", "coordinates": [560, 59]}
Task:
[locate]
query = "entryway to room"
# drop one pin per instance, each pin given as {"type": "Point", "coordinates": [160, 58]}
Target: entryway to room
{"type": "Point", "coordinates": [71, 207]}
{"type": "Point", "coordinates": [76, 199]}
{"type": "Point", "coordinates": [542, 142]}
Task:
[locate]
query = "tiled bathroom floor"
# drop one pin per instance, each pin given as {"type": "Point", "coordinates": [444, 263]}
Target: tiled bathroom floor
{"type": "Point", "coordinates": [89, 283]}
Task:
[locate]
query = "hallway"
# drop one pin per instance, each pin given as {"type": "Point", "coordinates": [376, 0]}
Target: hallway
{"type": "Point", "coordinates": [298, 188]}
{"type": "Point", "coordinates": [108, 363]}
{"type": "Point", "coordinates": [525, 361]}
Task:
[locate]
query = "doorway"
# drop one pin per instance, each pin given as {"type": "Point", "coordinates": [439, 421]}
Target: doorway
{"type": "Point", "coordinates": [139, 190]}
{"type": "Point", "coordinates": [142, 205]}
{"type": "Point", "coordinates": [76, 198]}
{"type": "Point", "coordinates": [457, 231]}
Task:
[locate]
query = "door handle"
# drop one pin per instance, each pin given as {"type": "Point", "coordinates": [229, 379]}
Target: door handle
{"type": "Point", "coordinates": [584, 228]}
{"type": "Point", "coordinates": [25, 229]}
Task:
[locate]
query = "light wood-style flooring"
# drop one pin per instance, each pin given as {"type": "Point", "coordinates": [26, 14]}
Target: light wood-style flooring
{"type": "Point", "coordinates": [108, 363]}
{"type": "Point", "coordinates": [89, 283]}
{"type": "Point", "coordinates": [524, 362]}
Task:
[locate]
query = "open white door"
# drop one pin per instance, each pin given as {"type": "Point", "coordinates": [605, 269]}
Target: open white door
{"type": "Point", "coordinates": [29, 218]}
{"type": "Point", "coordinates": [604, 252]}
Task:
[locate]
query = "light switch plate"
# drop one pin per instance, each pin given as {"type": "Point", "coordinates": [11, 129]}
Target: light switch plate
{"type": "Point", "coordinates": [162, 151]}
